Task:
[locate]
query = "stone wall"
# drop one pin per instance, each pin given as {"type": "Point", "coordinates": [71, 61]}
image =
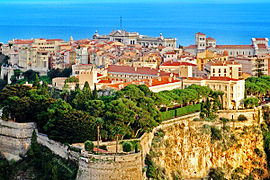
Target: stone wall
{"type": "Point", "coordinates": [103, 167]}
{"type": "Point", "coordinates": [15, 138]}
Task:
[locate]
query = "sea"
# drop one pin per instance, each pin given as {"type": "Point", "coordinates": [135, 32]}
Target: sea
{"type": "Point", "coordinates": [227, 23]}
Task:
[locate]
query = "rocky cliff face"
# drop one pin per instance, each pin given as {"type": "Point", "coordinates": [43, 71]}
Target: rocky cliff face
{"type": "Point", "coordinates": [191, 148]}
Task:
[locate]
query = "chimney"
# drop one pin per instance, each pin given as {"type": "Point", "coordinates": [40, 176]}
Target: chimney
{"type": "Point", "coordinates": [135, 68]}
{"type": "Point", "coordinates": [159, 78]}
{"type": "Point", "coordinates": [150, 82]}
{"type": "Point", "coordinates": [170, 79]}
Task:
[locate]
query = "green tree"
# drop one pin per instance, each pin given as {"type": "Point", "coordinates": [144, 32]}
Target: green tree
{"type": "Point", "coordinates": [88, 145]}
{"type": "Point", "coordinates": [30, 75]}
{"type": "Point", "coordinates": [36, 81]}
{"type": "Point", "coordinates": [95, 94]}
{"type": "Point", "coordinates": [99, 123]}
{"type": "Point", "coordinates": [117, 131]}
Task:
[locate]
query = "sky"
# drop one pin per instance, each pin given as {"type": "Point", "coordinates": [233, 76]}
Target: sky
{"type": "Point", "coordinates": [129, 1]}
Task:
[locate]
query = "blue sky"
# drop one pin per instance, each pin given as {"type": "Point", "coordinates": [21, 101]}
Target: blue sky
{"type": "Point", "coordinates": [130, 1]}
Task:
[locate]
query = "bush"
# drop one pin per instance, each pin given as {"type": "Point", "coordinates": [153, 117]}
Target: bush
{"type": "Point", "coordinates": [215, 134]}
{"type": "Point", "coordinates": [241, 117]}
{"type": "Point", "coordinates": [258, 152]}
{"type": "Point", "coordinates": [89, 145]}
{"type": "Point", "coordinates": [196, 119]}
{"type": "Point", "coordinates": [136, 148]}
{"type": "Point", "coordinates": [104, 147]}
{"type": "Point", "coordinates": [127, 147]}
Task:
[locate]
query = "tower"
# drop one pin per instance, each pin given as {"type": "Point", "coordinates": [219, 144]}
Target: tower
{"type": "Point", "coordinates": [200, 41]}
{"type": "Point", "coordinates": [121, 28]}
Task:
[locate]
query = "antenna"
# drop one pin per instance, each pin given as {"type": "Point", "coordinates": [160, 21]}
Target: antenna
{"type": "Point", "coordinates": [121, 23]}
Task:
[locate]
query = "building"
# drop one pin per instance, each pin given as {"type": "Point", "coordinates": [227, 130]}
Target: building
{"type": "Point", "coordinates": [250, 65]}
{"type": "Point", "coordinates": [229, 69]}
{"type": "Point", "coordinates": [234, 89]}
{"type": "Point", "coordinates": [128, 73]}
{"type": "Point", "coordinates": [258, 46]}
{"type": "Point", "coordinates": [154, 84]}
{"type": "Point", "coordinates": [183, 69]}
{"type": "Point", "coordinates": [132, 38]}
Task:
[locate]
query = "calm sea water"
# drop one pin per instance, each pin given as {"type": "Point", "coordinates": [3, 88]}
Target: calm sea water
{"type": "Point", "coordinates": [228, 23]}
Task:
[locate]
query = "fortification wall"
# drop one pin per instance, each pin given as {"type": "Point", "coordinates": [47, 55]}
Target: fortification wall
{"type": "Point", "coordinates": [15, 138]}
{"type": "Point", "coordinates": [102, 167]}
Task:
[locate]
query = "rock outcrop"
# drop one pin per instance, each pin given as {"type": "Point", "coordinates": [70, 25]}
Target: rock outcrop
{"type": "Point", "coordinates": [191, 148]}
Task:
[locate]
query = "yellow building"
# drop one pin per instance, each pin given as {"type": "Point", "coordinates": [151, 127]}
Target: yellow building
{"type": "Point", "coordinates": [207, 56]}
{"type": "Point", "coordinates": [234, 89]}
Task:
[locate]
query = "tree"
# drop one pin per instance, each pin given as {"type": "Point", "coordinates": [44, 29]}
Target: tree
{"type": "Point", "coordinates": [95, 108]}
{"type": "Point", "coordinates": [216, 173]}
{"type": "Point", "coordinates": [95, 94]}
{"type": "Point", "coordinates": [88, 145]}
{"type": "Point", "coordinates": [99, 122]}
{"type": "Point", "coordinates": [30, 75]}
{"type": "Point", "coordinates": [117, 131]}
{"type": "Point", "coordinates": [36, 81]}
{"type": "Point", "coordinates": [127, 147]}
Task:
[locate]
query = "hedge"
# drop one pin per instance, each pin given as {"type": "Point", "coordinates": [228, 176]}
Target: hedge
{"type": "Point", "coordinates": [180, 111]}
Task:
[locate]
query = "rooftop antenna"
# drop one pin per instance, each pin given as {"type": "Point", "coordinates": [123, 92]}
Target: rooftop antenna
{"type": "Point", "coordinates": [121, 23]}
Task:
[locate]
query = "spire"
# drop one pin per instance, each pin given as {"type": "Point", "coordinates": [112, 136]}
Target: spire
{"type": "Point", "coordinates": [71, 39]}
{"type": "Point", "coordinates": [121, 28]}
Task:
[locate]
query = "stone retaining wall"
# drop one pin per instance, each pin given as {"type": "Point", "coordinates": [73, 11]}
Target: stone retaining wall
{"type": "Point", "coordinates": [15, 138]}
{"type": "Point", "coordinates": [103, 167]}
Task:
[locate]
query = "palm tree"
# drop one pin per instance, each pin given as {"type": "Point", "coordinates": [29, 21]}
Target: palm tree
{"type": "Point", "coordinates": [117, 131]}
{"type": "Point", "coordinates": [99, 122]}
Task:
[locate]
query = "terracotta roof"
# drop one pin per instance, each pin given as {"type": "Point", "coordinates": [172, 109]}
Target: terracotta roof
{"type": "Point", "coordinates": [54, 40]}
{"type": "Point", "coordinates": [191, 47]}
{"type": "Point", "coordinates": [262, 46]}
{"type": "Point", "coordinates": [18, 41]}
{"type": "Point", "coordinates": [105, 81]}
{"type": "Point", "coordinates": [199, 33]}
{"type": "Point", "coordinates": [223, 79]}
{"type": "Point", "coordinates": [170, 52]}
{"type": "Point", "coordinates": [98, 75]}
{"type": "Point", "coordinates": [155, 82]}
{"type": "Point", "coordinates": [171, 63]}
{"type": "Point", "coordinates": [260, 39]}
{"type": "Point", "coordinates": [234, 46]}
{"type": "Point", "coordinates": [211, 39]}
{"type": "Point", "coordinates": [222, 63]}
{"type": "Point", "coordinates": [132, 70]}
{"type": "Point", "coordinates": [195, 78]}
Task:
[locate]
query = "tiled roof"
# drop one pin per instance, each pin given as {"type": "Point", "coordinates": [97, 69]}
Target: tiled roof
{"type": "Point", "coordinates": [172, 63]}
{"type": "Point", "coordinates": [211, 39]}
{"type": "Point", "coordinates": [155, 82]}
{"type": "Point", "coordinates": [54, 40]}
{"type": "Point", "coordinates": [133, 70]}
{"type": "Point", "coordinates": [262, 46]}
{"type": "Point", "coordinates": [260, 39]}
{"type": "Point", "coordinates": [199, 33]}
{"type": "Point", "coordinates": [234, 46]}
{"type": "Point", "coordinates": [191, 47]}
{"type": "Point", "coordinates": [223, 79]}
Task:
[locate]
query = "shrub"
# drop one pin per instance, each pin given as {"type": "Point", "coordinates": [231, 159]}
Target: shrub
{"type": "Point", "coordinates": [104, 147]}
{"type": "Point", "coordinates": [215, 134]}
{"type": "Point", "coordinates": [241, 117]}
{"type": "Point", "coordinates": [127, 146]}
{"type": "Point", "coordinates": [258, 152]}
{"type": "Point", "coordinates": [136, 148]}
{"type": "Point", "coordinates": [89, 145]}
{"type": "Point", "coordinates": [196, 119]}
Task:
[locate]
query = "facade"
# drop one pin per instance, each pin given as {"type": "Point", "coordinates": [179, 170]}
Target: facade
{"type": "Point", "coordinates": [233, 89]}
{"type": "Point", "coordinates": [129, 73]}
{"type": "Point", "coordinates": [229, 69]}
{"type": "Point", "coordinates": [258, 46]}
{"type": "Point", "coordinates": [183, 69]}
{"type": "Point", "coordinates": [132, 38]}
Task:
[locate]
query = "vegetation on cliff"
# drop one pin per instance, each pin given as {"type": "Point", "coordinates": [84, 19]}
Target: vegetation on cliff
{"type": "Point", "coordinates": [73, 117]}
{"type": "Point", "coordinates": [39, 163]}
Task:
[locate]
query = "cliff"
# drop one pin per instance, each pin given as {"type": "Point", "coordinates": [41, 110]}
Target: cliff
{"type": "Point", "coordinates": [191, 148]}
